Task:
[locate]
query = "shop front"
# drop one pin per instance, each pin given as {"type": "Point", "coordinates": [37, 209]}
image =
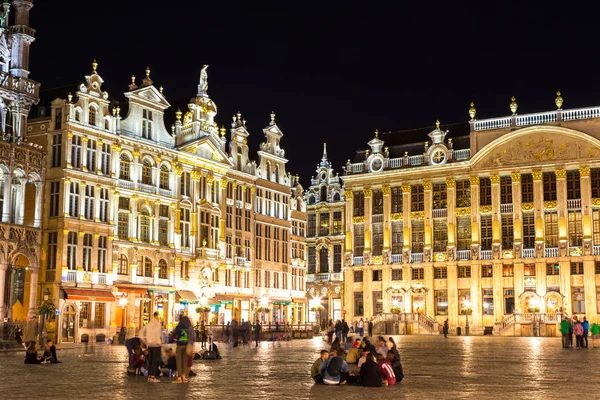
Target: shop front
{"type": "Point", "coordinates": [85, 315]}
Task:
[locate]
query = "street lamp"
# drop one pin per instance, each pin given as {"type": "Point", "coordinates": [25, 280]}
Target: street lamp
{"type": "Point", "coordinates": [123, 304]}
{"type": "Point", "coordinates": [467, 310]}
{"type": "Point", "coordinates": [534, 308]}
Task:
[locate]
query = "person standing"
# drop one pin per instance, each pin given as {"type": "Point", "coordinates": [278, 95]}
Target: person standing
{"type": "Point", "coordinates": [257, 328]}
{"type": "Point", "coordinates": [345, 330]}
{"type": "Point", "coordinates": [31, 331]}
{"type": "Point", "coordinates": [578, 331]}
{"type": "Point", "coordinates": [330, 330]}
{"type": "Point", "coordinates": [338, 330]}
{"type": "Point", "coordinates": [151, 334]}
{"type": "Point", "coordinates": [564, 330]}
{"type": "Point", "coordinates": [586, 331]}
{"type": "Point", "coordinates": [370, 328]}
{"type": "Point", "coordinates": [227, 332]}
{"type": "Point", "coordinates": [595, 333]}
{"type": "Point", "coordinates": [445, 329]}
{"type": "Point", "coordinates": [183, 349]}
{"type": "Point", "coordinates": [361, 328]}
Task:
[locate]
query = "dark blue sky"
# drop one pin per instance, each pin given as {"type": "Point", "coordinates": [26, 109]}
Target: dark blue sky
{"type": "Point", "coordinates": [332, 71]}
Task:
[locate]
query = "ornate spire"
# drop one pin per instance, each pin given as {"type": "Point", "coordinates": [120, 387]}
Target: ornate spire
{"type": "Point", "coordinates": [132, 85]}
{"type": "Point", "coordinates": [558, 101]}
{"type": "Point", "coordinates": [324, 152]}
{"type": "Point", "coordinates": [472, 111]}
{"type": "Point", "coordinates": [437, 124]}
{"type": "Point", "coordinates": [94, 66]}
{"type": "Point", "coordinates": [272, 118]}
{"type": "Point", "coordinates": [147, 81]}
{"type": "Point", "coordinates": [513, 106]}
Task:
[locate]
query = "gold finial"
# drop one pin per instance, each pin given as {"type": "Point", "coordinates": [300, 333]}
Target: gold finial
{"type": "Point", "coordinates": [437, 124]}
{"type": "Point", "coordinates": [406, 154]}
{"type": "Point", "coordinates": [513, 106]}
{"type": "Point", "coordinates": [160, 89]}
{"type": "Point", "coordinates": [367, 152]}
{"type": "Point", "coordinates": [114, 112]}
{"type": "Point", "coordinates": [178, 114]}
{"type": "Point", "coordinates": [472, 111]}
{"type": "Point", "coordinates": [239, 116]}
{"type": "Point", "coordinates": [118, 110]}
{"type": "Point", "coordinates": [558, 101]}
{"type": "Point", "coordinates": [244, 122]}
{"type": "Point", "coordinates": [94, 65]}
{"type": "Point", "coordinates": [147, 72]}
{"type": "Point", "coordinates": [223, 130]}
{"type": "Point", "coordinates": [376, 133]}
{"type": "Point", "coordinates": [69, 97]}
{"type": "Point", "coordinates": [133, 79]}
{"type": "Point", "coordinates": [273, 116]}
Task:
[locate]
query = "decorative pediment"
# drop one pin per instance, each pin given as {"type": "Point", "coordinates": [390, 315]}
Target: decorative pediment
{"type": "Point", "coordinates": [149, 94]}
{"type": "Point", "coordinates": [540, 144]}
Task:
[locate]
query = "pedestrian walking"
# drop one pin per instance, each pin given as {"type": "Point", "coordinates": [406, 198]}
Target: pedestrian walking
{"type": "Point", "coordinates": [184, 332]}
{"type": "Point", "coordinates": [578, 331]}
{"type": "Point", "coordinates": [564, 330]}
{"type": "Point", "coordinates": [330, 330]}
{"type": "Point", "coordinates": [586, 331]}
{"type": "Point", "coordinates": [345, 330]}
{"type": "Point", "coordinates": [227, 332]}
{"type": "Point", "coordinates": [151, 334]}
{"type": "Point", "coordinates": [445, 329]}
{"type": "Point", "coordinates": [361, 328]}
{"type": "Point", "coordinates": [257, 328]}
{"type": "Point", "coordinates": [370, 328]}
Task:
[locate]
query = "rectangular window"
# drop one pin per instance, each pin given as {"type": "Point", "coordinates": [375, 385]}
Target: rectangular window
{"type": "Point", "coordinates": [488, 301]}
{"type": "Point", "coordinates": [123, 265]}
{"type": "Point", "coordinates": [359, 240]}
{"type": "Point", "coordinates": [576, 268]}
{"type": "Point", "coordinates": [595, 181]}
{"type": "Point", "coordinates": [84, 314]}
{"type": "Point", "coordinates": [440, 196]}
{"type": "Point", "coordinates": [487, 271]}
{"type": "Point", "coordinates": [185, 184]}
{"type": "Point", "coordinates": [123, 203]}
{"type": "Point", "coordinates": [99, 315]}
{"type": "Point", "coordinates": [163, 232]}
{"type": "Point", "coordinates": [549, 179]}
{"type": "Point", "coordinates": [102, 251]}
{"type": "Point", "coordinates": [54, 198]}
{"type": "Point", "coordinates": [123, 226]}
{"type": "Point", "coordinates": [184, 226]}
{"type": "Point", "coordinates": [377, 246]}
{"type": "Point", "coordinates": [337, 258]}
{"type": "Point", "coordinates": [463, 232]}
{"type": "Point", "coordinates": [418, 236]}
{"type": "Point", "coordinates": [312, 225]}
{"type": "Point", "coordinates": [417, 198]}
{"type": "Point", "coordinates": [573, 185]}
{"type": "Point", "coordinates": [52, 250]}
{"type": "Point", "coordinates": [358, 303]}
{"type": "Point", "coordinates": [267, 243]}
{"type": "Point", "coordinates": [377, 275]}
{"type": "Point", "coordinates": [507, 231]}
{"type": "Point", "coordinates": [575, 229]}
{"type": "Point", "coordinates": [377, 201]}
{"type": "Point", "coordinates": [91, 155]}
{"type": "Point", "coordinates": [358, 276]}
{"type": "Point", "coordinates": [312, 260]}
{"type": "Point", "coordinates": [324, 224]}
{"type": "Point", "coordinates": [596, 226]}
{"type": "Point", "coordinates": [397, 237]}
{"type": "Point", "coordinates": [247, 221]}
{"type": "Point", "coordinates": [463, 193]}
{"type": "Point", "coordinates": [529, 269]}
{"type": "Point", "coordinates": [486, 232]}
{"type": "Point", "coordinates": [551, 229]}
{"type": "Point", "coordinates": [578, 300]}
{"type": "Point", "coordinates": [87, 252]}
{"type": "Point", "coordinates": [76, 151]}
{"type": "Point", "coordinates": [528, 230]}
{"type": "Point", "coordinates": [397, 274]}
{"type": "Point", "coordinates": [485, 191]}
{"type": "Point", "coordinates": [440, 234]}
{"type": "Point", "coordinates": [337, 223]}
{"type": "Point", "coordinates": [505, 190]}
{"type": "Point", "coordinates": [418, 273]}
{"type": "Point", "coordinates": [103, 211]}
{"type": "Point", "coordinates": [74, 200]}
{"type": "Point", "coordinates": [146, 124]}
{"type": "Point", "coordinates": [377, 302]}
{"type": "Point", "coordinates": [597, 269]}
{"type": "Point", "coordinates": [464, 300]}
{"type": "Point", "coordinates": [105, 161]}
{"type": "Point", "coordinates": [88, 206]}
{"type": "Point", "coordinates": [440, 273]}
{"type": "Point", "coordinates": [464, 271]}
{"type": "Point", "coordinates": [56, 150]}
{"type": "Point", "coordinates": [441, 302]}
{"type": "Point", "coordinates": [72, 250]}
{"type": "Point", "coordinates": [508, 270]}
{"type": "Point", "coordinates": [358, 203]}
{"type": "Point", "coordinates": [527, 188]}
{"type": "Point", "coordinates": [396, 200]}
{"type": "Point", "coordinates": [553, 269]}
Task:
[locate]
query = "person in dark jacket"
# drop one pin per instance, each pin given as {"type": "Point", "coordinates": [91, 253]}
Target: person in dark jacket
{"type": "Point", "coordinates": [338, 329]}
{"type": "Point", "coordinates": [257, 328]}
{"type": "Point", "coordinates": [31, 356]}
{"type": "Point", "coordinates": [345, 330]}
{"type": "Point", "coordinates": [50, 353]}
{"type": "Point", "coordinates": [370, 328]}
{"type": "Point", "coordinates": [19, 336]}
{"type": "Point", "coordinates": [184, 338]}
{"type": "Point", "coordinates": [394, 358]}
{"type": "Point", "coordinates": [370, 375]}
{"type": "Point", "coordinates": [445, 329]}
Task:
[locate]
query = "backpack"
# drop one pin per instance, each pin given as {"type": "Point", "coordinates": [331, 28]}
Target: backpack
{"type": "Point", "coordinates": [335, 367]}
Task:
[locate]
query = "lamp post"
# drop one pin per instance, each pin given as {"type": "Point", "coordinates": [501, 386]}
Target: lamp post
{"type": "Point", "coordinates": [123, 304]}
{"type": "Point", "coordinates": [467, 309]}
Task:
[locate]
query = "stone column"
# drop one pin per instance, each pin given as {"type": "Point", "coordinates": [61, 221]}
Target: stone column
{"type": "Point", "coordinates": [453, 306]}
{"type": "Point", "coordinates": [115, 160]}
{"type": "Point", "coordinates": [96, 215]}
{"type": "Point", "coordinates": [368, 223]}
{"type": "Point", "coordinates": [113, 211]}
{"type": "Point", "coordinates": [538, 209]}
{"type": "Point", "coordinates": [475, 220]}
{"type": "Point", "coordinates": [99, 144]}
{"type": "Point", "coordinates": [5, 212]}
{"type": "Point", "coordinates": [69, 148]}
{"type": "Point", "coordinates": [451, 207]}
{"type": "Point", "coordinates": [428, 222]}
{"type": "Point", "coordinates": [170, 225]}
{"type": "Point", "coordinates": [82, 185]}
{"type": "Point", "coordinates": [19, 207]}
{"type": "Point", "coordinates": [37, 220]}
{"type": "Point", "coordinates": [135, 171]}
{"type": "Point", "coordinates": [406, 225]}
{"type": "Point", "coordinates": [519, 283]}
{"type": "Point", "coordinates": [133, 218]}
{"type": "Point", "coordinates": [476, 296]}
{"type": "Point", "coordinates": [156, 222]}
{"type": "Point", "coordinates": [586, 207]}
{"type": "Point", "coordinates": [3, 301]}
{"type": "Point", "coordinates": [589, 276]}
{"type": "Point", "coordinates": [496, 215]}
{"type": "Point", "coordinates": [561, 207]}
{"type": "Point", "coordinates": [84, 161]}
{"type": "Point", "coordinates": [33, 287]}
{"type": "Point", "coordinates": [348, 195]}
{"type": "Point", "coordinates": [368, 292]}
{"type": "Point", "coordinates": [498, 291]}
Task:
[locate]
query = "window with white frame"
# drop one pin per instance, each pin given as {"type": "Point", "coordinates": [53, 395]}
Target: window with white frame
{"type": "Point", "coordinates": [92, 115]}
{"type": "Point", "coordinates": [105, 159]}
{"type": "Point", "coordinates": [72, 250]}
{"type": "Point", "coordinates": [88, 206]}
{"type": "Point", "coordinates": [76, 149]}
{"type": "Point", "coordinates": [184, 226]}
{"type": "Point", "coordinates": [56, 150]}
{"type": "Point", "coordinates": [147, 124]}
{"type": "Point", "coordinates": [87, 252]}
{"type": "Point", "coordinates": [102, 250]}
{"type": "Point", "coordinates": [123, 226]}
{"type": "Point", "coordinates": [186, 184]}
{"type": "Point", "coordinates": [164, 177]}
{"type": "Point", "coordinates": [103, 210]}
{"type": "Point", "coordinates": [125, 167]}
{"type": "Point", "coordinates": [91, 155]}
{"type": "Point", "coordinates": [147, 172]}
{"type": "Point", "coordinates": [54, 197]}
{"type": "Point", "coordinates": [74, 200]}
{"type": "Point", "coordinates": [145, 227]}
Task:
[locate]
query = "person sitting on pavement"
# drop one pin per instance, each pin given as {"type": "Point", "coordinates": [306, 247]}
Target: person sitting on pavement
{"type": "Point", "coordinates": [369, 346]}
{"type": "Point", "coordinates": [131, 344]}
{"type": "Point", "coordinates": [136, 361]}
{"type": "Point", "coordinates": [170, 367]}
{"type": "Point", "coordinates": [348, 344]}
{"type": "Point", "coordinates": [334, 370]}
{"type": "Point", "coordinates": [50, 353]}
{"type": "Point", "coordinates": [337, 346]}
{"type": "Point", "coordinates": [212, 351]}
{"type": "Point", "coordinates": [381, 348]}
{"type": "Point", "coordinates": [31, 356]}
{"type": "Point", "coordinates": [394, 359]}
{"type": "Point", "coordinates": [314, 370]}
{"type": "Point", "coordinates": [385, 368]}
{"type": "Point", "coordinates": [353, 355]}
{"type": "Point", "coordinates": [363, 358]}
{"type": "Point", "coordinates": [370, 374]}
{"type": "Point", "coordinates": [356, 344]}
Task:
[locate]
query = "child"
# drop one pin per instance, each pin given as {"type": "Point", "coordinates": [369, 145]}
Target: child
{"type": "Point", "coordinates": [386, 370]}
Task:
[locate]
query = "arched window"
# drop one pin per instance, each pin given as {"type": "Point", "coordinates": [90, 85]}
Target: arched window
{"type": "Point", "coordinates": [148, 267]}
{"type": "Point", "coordinates": [163, 270]}
{"type": "Point", "coordinates": [106, 124]}
{"type": "Point", "coordinates": [311, 199]}
{"type": "Point", "coordinates": [125, 167]}
{"type": "Point", "coordinates": [323, 194]}
{"type": "Point", "coordinates": [147, 172]}
{"type": "Point", "coordinates": [323, 260]}
{"type": "Point", "coordinates": [336, 196]}
{"type": "Point", "coordinates": [78, 115]}
{"type": "Point", "coordinates": [268, 177]}
{"type": "Point", "coordinates": [277, 173]}
{"type": "Point", "coordinates": [92, 115]}
{"type": "Point", "coordinates": [145, 227]}
{"type": "Point", "coordinates": [164, 177]}
{"type": "Point", "coordinates": [123, 265]}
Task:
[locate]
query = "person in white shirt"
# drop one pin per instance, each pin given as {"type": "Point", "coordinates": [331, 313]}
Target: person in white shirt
{"type": "Point", "coordinates": [151, 334]}
{"type": "Point", "coordinates": [361, 328]}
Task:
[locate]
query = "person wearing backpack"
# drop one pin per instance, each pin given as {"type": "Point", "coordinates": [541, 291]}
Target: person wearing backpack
{"type": "Point", "coordinates": [334, 370]}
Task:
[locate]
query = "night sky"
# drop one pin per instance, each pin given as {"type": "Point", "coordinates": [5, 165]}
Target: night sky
{"type": "Point", "coordinates": [332, 72]}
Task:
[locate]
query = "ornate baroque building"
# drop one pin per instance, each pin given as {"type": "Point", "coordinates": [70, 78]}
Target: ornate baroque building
{"type": "Point", "coordinates": [325, 242]}
{"type": "Point", "coordinates": [139, 218]}
{"type": "Point", "coordinates": [496, 228]}
{"type": "Point", "coordinates": [22, 168]}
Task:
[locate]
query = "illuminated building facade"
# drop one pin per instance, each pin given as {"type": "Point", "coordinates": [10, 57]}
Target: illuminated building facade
{"type": "Point", "coordinates": [21, 170]}
{"type": "Point", "coordinates": [325, 243]}
{"type": "Point", "coordinates": [141, 219]}
{"type": "Point", "coordinates": [496, 228]}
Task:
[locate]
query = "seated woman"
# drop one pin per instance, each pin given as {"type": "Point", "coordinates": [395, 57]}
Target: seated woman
{"type": "Point", "coordinates": [394, 359]}
{"type": "Point", "coordinates": [31, 356]}
{"type": "Point", "coordinates": [136, 361]}
{"type": "Point", "coordinates": [337, 347]}
{"type": "Point", "coordinates": [353, 356]}
{"type": "Point", "coordinates": [50, 353]}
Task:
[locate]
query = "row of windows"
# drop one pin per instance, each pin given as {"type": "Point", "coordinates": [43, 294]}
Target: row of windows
{"type": "Point", "coordinates": [328, 224]}
{"type": "Point", "coordinates": [271, 204]}
{"type": "Point", "coordinates": [89, 260]}
{"type": "Point", "coordinates": [324, 260]}
{"type": "Point", "coordinates": [271, 243]}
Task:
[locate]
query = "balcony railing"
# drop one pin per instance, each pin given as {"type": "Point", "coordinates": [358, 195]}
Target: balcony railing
{"type": "Point", "coordinates": [574, 204]}
{"type": "Point", "coordinates": [72, 276]}
{"type": "Point", "coordinates": [581, 113]}
{"type": "Point", "coordinates": [126, 184]}
{"type": "Point", "coordinates": [596, 250]}
{"type": "Point", "coordinates": [461, 155]}
{"type": "Point", "coordinates": [440, 213]}
{"type": "Point", "coordinates": [416, 160]}
{"type": "Point", "coordinates": [506, 208]}
{"type": "Point", "coordinates": [164, 192]}
{"type": "Point", "coordinates": [357, 167]}
{"type": "Point", "coordinates": [416, 257]}
{"type": "Point", "coordinates": [143, 187]}
{"type": "Point", "coordinates": [528, 253]}
{"type": "Point", "coordinates": [463, 255]}
{"type": "Point", "coordinates": [396, 258]}
{"type": "Point", "coordinates": [357, 261]}
{"type": "Point", "coordinates": [395, 162]}
{"type": "Point", "coordinates": [485, 254]}
{"type": "Point", "coordinates": [551, 251]}
{"type": "Point", "coordinates": [492, 123]}
{"type": "Point", "coordinates": [322, 276]}
{"type": "Point", "coordinates": [377, 218]}
{"type": "Point", "coordinates": [537, 118]}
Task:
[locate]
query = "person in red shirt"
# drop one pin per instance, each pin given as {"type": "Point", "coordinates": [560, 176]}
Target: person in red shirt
{"type": "Point", "coordinates": [389, 378]}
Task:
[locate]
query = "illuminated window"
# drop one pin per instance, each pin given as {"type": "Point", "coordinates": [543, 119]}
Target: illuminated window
{"type": "Point", "coordinates": [324, 224]}
{"type": "Point", "coordinates": [464, 301]}
{"type": "Point", "coordinates": [377, 245]}
{"type": "Point", "coordinates": [147, 172]}
{"type": "Point", "coordinates": [529, 269]}
{"type": "Point", "coordinates": [72, 251]}
{"type": "Point", "coordinates": [396, 200]}
{"type": "Point", "coordinates": [418, 236]}
{"type": "Point", "coordinates": [397, 237]}
{"type": "Point", "coordinates": [397, 274]}
{"type": "Point", "coordinates": [505, 190]}
{"type": "Point", "coordinates": [418, 273]}
{"type": "Point", "coordinates": [551, 229]}
{"type": "Point", "coordinates": [573, 185]}
{"type": "Point", "coordinates": [84, 314]}
{"type": "Point", "coordinates": [147, 124]}
{"type": "Point", "coordinates": [145, 227]}
{"type": "Point", "coordinates": [74, 200]}
{"type": "Point", "coordinates": [123, 226]}
{"type": "Point", "coordinates": [440, 234]}
{"type": "Point", "coordinates": [125, 167]}
{"type": "Point", "coordinates": [487, 271]}
{"type": "Point", "coordinates": [464, 271]}
{"type": "Point", "coordinates": [488, 301]}
{"type": "Point", "coordinates": [595, 182]}
{"type": "Point", "coordinates": [508, 270]}
{"type": "Point", "coordinates": [359, 240]}
{"type": "Point", "coordinates": [553, 269]}
{"type": "Point", "coordinates": [486, 232]}
{"type": "Point", "coordinates": [123, 265]}
{"type": "Point", "coordinates": [463, 232]}
{"type": "Point", "coordinates": [578, 300]}
{"type": "Point", "coordinates": [99, 315]}
{"type": "Point", "coordinates": [527, 188]}
{"type": "Point", "coordinates": [441, 302]}
{"type": "Point", "coordinates": [417, 197]}
{"type": "Point", "coordinates": [575, 228]}
{"type": "Point", "coordinates": [485, 191]}
{"type": "Point", "coordinates": [440, 196]}
{"type": "Point", "coordinates": [507, 231]}
{"type": "Point", "coordinates": [91, 155]}
{"type": "Point", "coordinates": [528, 230]}
{"type": "Point", "coordinates": [440, 273]}
{"type": "Point", "coordinates": [87, 252]}
{"type": "Point", "coordinates": [549, 186]}
{"type": "Point", "coordinates": [186, 183]}
{"type": "Point", "coordinates": [463, 193]}
{"type": "Point", "coordinates": [102, 250]}
{"type": "Point", "coordinates": [184, 226]}
{"type": "Point", "coordinates": [163, 272]}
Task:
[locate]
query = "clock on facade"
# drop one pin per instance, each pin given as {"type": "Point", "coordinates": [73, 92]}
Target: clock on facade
{"type": "Point", "coordinates": [438, 157]}
{"type": "Point", "coordinates": [376, 165]}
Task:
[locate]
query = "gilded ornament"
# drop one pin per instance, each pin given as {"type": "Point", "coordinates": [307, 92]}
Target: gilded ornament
{"type": "Point", "coordinates": [515, 177]}
{"type": "Point", "coordinates": [596, 202]}
{"type": "Point", "coordinates": [485, 209]}
{"type": "Point", "coordinates": [537, 175]}
{"type": "Point", "coordinates": [561, 173]}
{"type": "Point", "coordinates": [178, 170]}
{"type": "Point", "coordinates": [474, 180]}
{"type": "Point", "coordinates": [526, 206]}
{"type": "Point", "coordinates": [396, 217]}
{"type": "Point", "coordinates": [158, 159]}
{"type": "Point", "coordinates": [70, 135]}
{"type": "Point", "coordinates": [178, 114]}
{"type": "Point", "coordinates": [405, 188]}
{"type": "Point", "coordinates": [417, 215]}
{"type": "Point", "coordinates": [85, 139]}
{"type": "Point", "coordinates": [367, 192]}
{"type": "Point", "coordinates": [177, 259]}
{"type": "Point", "coordinates": [460, 211]}
{"type": "Point", "coordinates": [439, 257]}
{"type": "Point", "coordinates": [513, 106]}
{"type": "Point", "coordinates": [377, 260]}
{"type": "Point", "coordinates": [358, 220]}
{"type": "Point", "coordinates": [210, 179]}
{"type": "Point", "coordinates": [136, 153]}
{"type": "Point", "coordinates": [427, 185]}
{"type": "Point", "coordinates": [216, 157]}
{"type": "Point", "coordinates": [558, 101]}
{"type": "Point", "coordinates": [252, 190]}
{"type": "Point", "coordinates": [234, 185]}
{"type": "Point", "coordinates": [550, 205]}
{"type": "Point", "coordinates": [495, 179]}
{"type": "Point", "coordinates": [196, 175]}
{"type": "Point", "coordinates": [348, 194]}
{"type": "Point", "coordinates": [584, 171]}
{"type": "Point", "coordinates": [450, 183]}
{"type": "Point", "coordinates": [386, 189]}
{"type": "Point", "coordinates": [116, 148]}
{"type": "Point", "coordinates": [472, 111]}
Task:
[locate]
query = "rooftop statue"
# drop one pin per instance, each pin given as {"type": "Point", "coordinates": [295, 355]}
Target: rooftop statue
{"type": "Point", "coordinates": [203, 86]}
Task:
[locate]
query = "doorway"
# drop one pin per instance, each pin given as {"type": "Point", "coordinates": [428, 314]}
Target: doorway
{"type": "Point", "coordinates": [69, 316]}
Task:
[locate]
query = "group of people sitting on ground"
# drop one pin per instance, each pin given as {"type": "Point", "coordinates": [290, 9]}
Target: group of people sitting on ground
{"type": "Point", "coordinates": [146, 358]}
{"type": "Point", "coordinates": [49, 356]}
{"type": "Point", "coordinates": [377, 365]}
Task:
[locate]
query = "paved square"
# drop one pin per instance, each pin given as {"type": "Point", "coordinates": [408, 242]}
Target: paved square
{"type": "Point", "coordinates": [459, 367]}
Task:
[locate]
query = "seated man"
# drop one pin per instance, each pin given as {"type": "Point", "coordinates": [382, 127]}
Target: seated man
{"type": "Point", "coordinates": [212, 351]}
{"type": "Point", "coordinates": [356, 344]}
{"type": "Point", "coordinates": [381, 346]}
{"type": "Point", "coordinates": [334, 370]}
{"type": "Point", "coordinates": [385, 368]}
{"type": "Point", "coordinates": [369, 373]}
{"type": "Point", "coordinates": [353, 356]}
{"type": "Point", "coordinates": [50, 353]}
{"type": "Point", "coordinates": [170, 367]}
{"type": "Point", "coordinates": [394, 359]}
{"type": "Point", "coordinates": [314, 370]}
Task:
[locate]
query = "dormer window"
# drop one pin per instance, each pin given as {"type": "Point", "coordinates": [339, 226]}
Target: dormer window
{"type": "Point", "coordinates": [92, 115]}
{"type": "Point", "coordinates": [147, 124]}
{"type": "Point", "coordinates": [77, 115]}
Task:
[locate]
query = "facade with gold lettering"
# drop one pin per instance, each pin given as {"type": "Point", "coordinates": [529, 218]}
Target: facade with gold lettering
{"type": "Point", "coordinates": [496, 229]}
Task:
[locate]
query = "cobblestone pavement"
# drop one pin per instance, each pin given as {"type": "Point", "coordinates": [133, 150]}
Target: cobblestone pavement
{"type": "Point", "coordinates": [455, 368]}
